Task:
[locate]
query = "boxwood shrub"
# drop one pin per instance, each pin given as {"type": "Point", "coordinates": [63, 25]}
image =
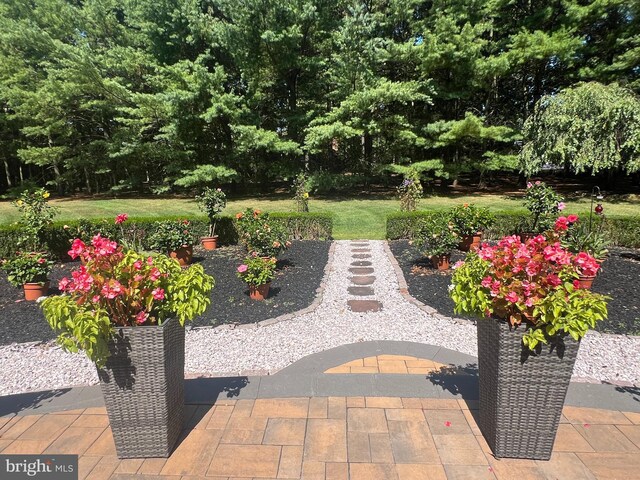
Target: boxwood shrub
{"type": "Point", "coordinates": [622, 231]}
{"type": "Point", "coordinates": [300, 226]}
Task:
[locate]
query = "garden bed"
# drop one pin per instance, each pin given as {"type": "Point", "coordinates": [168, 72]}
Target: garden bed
{"type": "Point", "coordinates": [619, 278]}
{"type": "Point", "coordinates": [300, 272]}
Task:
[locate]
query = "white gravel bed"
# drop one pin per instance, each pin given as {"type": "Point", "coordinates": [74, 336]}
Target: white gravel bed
{"type": "Point", "coordinates": [226, 351]}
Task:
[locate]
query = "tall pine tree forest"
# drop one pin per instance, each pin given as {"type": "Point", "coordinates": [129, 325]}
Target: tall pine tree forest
{"type": "Point", "coordinates": [164, 95]}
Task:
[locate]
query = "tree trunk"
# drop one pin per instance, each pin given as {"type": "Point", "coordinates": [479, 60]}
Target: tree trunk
{"type": "Point", "coordinates": [7, 173]}
{"type": "Point", "coordinates": [87, 180]}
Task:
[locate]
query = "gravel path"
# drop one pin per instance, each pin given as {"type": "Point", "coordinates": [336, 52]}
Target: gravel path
{"type": "Point", "coordinates": [261, 349]}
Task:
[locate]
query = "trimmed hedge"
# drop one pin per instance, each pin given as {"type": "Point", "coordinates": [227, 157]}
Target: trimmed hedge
{"type": "Point", "coordinates": [622, 231]}
{"type": "Point", "coordinates": [300, 226]}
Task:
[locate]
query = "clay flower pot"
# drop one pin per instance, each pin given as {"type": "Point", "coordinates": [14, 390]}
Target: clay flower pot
{"type": "Point", "coordinates": [210, 243]}
{"type": "Point", "coordinates": [586, 281]}
{"type": "Point", "coordinates": [183, 255]}
{"type": "Point", "coordinates": [441, 262]}
{"type": "Point", "coordinates": [470, 242]}
{"type": "Point", "coordinates": [33, 291]}
{"type": "Point", "coordinates": [259, 292]}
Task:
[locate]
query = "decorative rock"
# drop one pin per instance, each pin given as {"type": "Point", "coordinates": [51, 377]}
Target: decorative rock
{"type": "Point", "coordinates": [361, 270]}
{"type": "Point", "coordinates": [363, 280]}
{"type": "Point", "coordinates": [360, 291]}
{"type": "Point", "coordinates": [363, 306]}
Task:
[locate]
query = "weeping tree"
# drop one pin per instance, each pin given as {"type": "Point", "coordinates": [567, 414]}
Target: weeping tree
{"type": "Point", "coordinates": [587, 128]}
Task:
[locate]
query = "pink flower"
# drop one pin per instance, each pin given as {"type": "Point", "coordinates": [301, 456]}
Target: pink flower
{"type": "Point", "coordinates": [553, 279]}
{"type": "Point", "coordinates": [112, 289]}
{"type": "Point", "coordinates": [512, 297]}
{"type": "Point", "coordinates": [149, 261]}
{"type": "Point", "coordinates": [142, 317]}
{"type": "Point", "coordinates": [137, 265]}
{"type": "Point", "coordinates": [572, 218]}
{"type": "Point", "coordinates": [95, 298]}
{"type": "Point", "coordinates": [487, 281]}
{"type": "Point", "coordinates": [561, 206]}
{"type": "Point", "coordinates": [158, 294]}
{"type": "Point", "coordinates": [529, 302]}
{"type": "Point", "coordinates": [561, 224]}
{"type": "Point", "coordinates": [63, 284]}
{"type": "Point", "coordinates": [78, 247]}
{"type": "Point", "coordinates": [154, 275]}
{"type": "Point", "coordinates": [242, 268]}
{"type": "Point", "coordinates": [41, 261]}
{"type": "Point", "coordinates": [121, 218]}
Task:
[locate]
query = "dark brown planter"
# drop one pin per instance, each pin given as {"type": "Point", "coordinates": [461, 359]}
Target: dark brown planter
{"type": "Point", "coordinates": [521, 392]}
{"type": "Point", "coordinates": [143, 388]}
{"type": "Point", "coordinates": [524, 236]}
{"type": "Point", "coordinates": [259, 292]}
{"type": "Point", "coordinates": [441, 262]}
{"type": "Point", "coordinates": [33, 291]}
{"type": "Point", "coordinates": [210, 243]}
{"type": "Point", "coordinates": [470, 242]}
{"type": "Point", "coordinates": [183, 255]}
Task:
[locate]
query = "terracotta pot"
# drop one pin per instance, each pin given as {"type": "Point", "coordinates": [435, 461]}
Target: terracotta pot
{"type": "Point", "coordinates": [210, 243]}
{"type": "Point", "coordinates": [183, 255]}
{"type": "Point", "coordinates": [470, 242]}
{"type": "Point", "coordinates": [586, 281]}
{"type": "Point", "coordinates": [441, 262]}
{"type": "Point", "coordinates": [33, 291]}
{"type": "Point", "coordinates": [259, 292]}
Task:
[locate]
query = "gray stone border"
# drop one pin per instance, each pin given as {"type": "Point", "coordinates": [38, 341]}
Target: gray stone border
{"type": "Point", "coordinates": [306, 378]}
{"type": "Point", "coordinates": [404, 291]}
{"type": "Point", "coordinates": [287, 316]}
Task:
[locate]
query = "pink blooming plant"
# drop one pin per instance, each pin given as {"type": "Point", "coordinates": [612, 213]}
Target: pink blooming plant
{"type": "Point", "coordinates": [114, 287]}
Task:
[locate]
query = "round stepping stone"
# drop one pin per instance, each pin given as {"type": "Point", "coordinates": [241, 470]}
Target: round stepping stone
{"type": "Point", "coordinates": [361, 250]}
{"type": "Point", "coordinates": [360, 291]}
{"type": "Point", "coordinates": [363, 306]}
{"type": "Point", "coordinates": [361, 263]}
{"type": "Point", "coordinates": [363, 280]}
{"type": "Point", "coordinates": [361, 270]}
{"type": "Point", "coordinates": [361, 255]}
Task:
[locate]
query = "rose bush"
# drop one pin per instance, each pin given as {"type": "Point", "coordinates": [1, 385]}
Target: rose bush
{"type": "Point", "coordinates": [257, 271]}
{"type": "Point", "coordinates": [258, 234]}
{"type": "Point", "coordinates": [171, 235]}
{"type": "Point", "coordinates": [116, 288]}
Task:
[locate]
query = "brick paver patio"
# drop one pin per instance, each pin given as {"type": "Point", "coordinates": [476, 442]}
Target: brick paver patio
{"type": "Point", "coordinates": [335, 438]}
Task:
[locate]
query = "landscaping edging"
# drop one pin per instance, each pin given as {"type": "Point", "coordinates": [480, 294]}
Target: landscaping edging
{"type": "Point", "coordinates": [404, 291]}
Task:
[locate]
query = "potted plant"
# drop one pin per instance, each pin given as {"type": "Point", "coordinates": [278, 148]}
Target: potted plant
{"type": "Point", "coordinates": [437, 237]}
{"type": "Point", "coordinates": [532, 316]}
{"type": "Point", "coordinates": [577, 237]}
{"type": "Point", "coordinates": [260, 234]}
{"type": "Point", "coordinates": [469, 222]}
{"type": "Point", "coordinates": [211, 201]}
{"type": "Point", "coordinates": [127, 313]}
{"type": "Point", "coordinates": [544, 204]}
{"type": "Point", "coordinates": [175, 238]}
{"type": "Point", "coordinates": [410, 192]}
{"type": "Point", "coordinates": [258, 272]}
{"type": "Point", "coordinates": [31, 271]}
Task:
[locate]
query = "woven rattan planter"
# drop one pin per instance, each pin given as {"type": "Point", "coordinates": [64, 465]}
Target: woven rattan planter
{"type": "Point", "coordinates": [521, 393]}
{"type": "Point", "coordinates": [143, 387]}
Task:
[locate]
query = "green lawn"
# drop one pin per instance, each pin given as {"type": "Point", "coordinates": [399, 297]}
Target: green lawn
{"type": "Point", "coordinates": [354, 217]}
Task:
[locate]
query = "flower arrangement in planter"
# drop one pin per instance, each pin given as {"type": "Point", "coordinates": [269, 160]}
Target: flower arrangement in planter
{"type": "Point", "coordinates": [469, 222]}
{"type": "Point", "coordinates": [544, 204]}
{"type": "Point", "coordinates": [126, 311]}
{"type": "Point", "coordinates": [259, 234]}
{"type": "Point", "coordinates": [211, 201]}
{"type": "Point", "coordinates": [175, 238]}
{"type": "Point", "coordinates": [533, 315]}
{"type": "Point", "coordinates": [31, 271]}
{"type": "Point", "coordinates": [438, 238]}
{"type": "Point", "coordinates": [258, 272]}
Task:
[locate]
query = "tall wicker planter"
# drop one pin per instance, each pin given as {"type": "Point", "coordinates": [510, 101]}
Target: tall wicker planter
{"type": "Point", "coordinates": [521, 393]}
{"type": "Point", "coordinates": [143, 387]}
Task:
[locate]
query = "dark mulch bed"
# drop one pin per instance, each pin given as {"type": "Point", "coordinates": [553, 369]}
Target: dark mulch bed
{"type": "Point", "coordinates": [300, 271]}
{"type": "Point", "coordinates": [619, 278]}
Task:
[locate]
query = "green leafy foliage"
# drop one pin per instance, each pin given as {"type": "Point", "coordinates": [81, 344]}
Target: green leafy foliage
{"type": "Point", "coordinates": [257, 270]}
{"type": "Point", "coordinates": [169, 236]}
{"type": "Point", "coordinates": [212, 201]}
{"type": "Point", "coordinates": [260, 235]}
{"type": "Point", "coordinates": [469, 219]}
{"type": "Point", "coordinates": [437, 235]}
{"type": "Point", "coordinates": [30, 267]}
{"type": "Point", "coordinates": [36, 215]}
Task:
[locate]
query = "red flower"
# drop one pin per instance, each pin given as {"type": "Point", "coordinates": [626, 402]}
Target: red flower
{"type": "Point", "coordinates": [572, 218]}
{"type": "Point", "coordinates": [121, 218]}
